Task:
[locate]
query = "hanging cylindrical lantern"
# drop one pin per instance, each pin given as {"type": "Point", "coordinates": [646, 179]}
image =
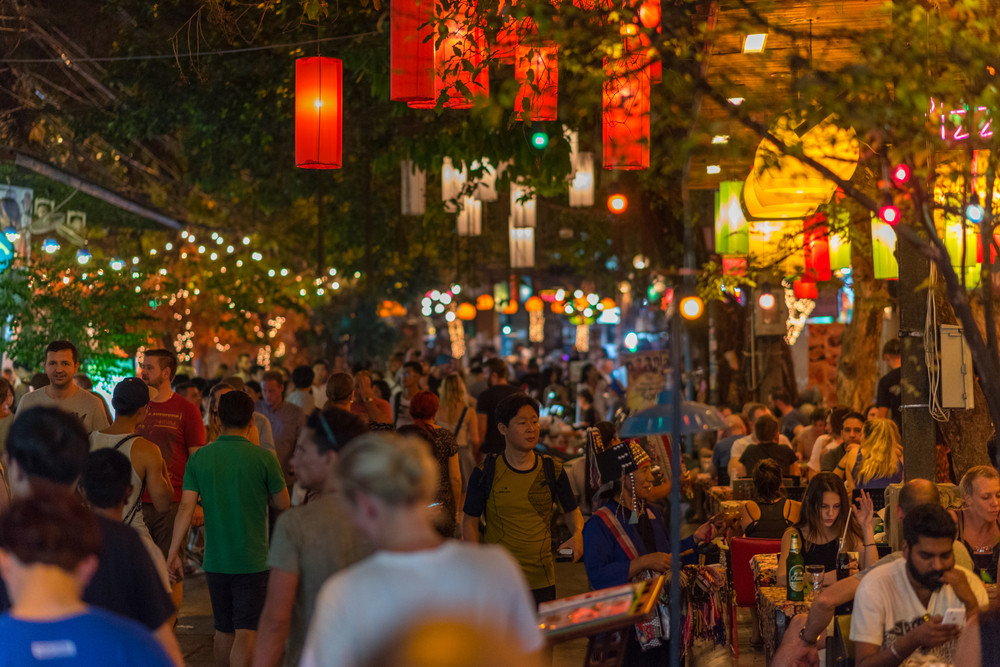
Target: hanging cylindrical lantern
{"type": "Point", "coordinates": [803, 289]}
{"type": "Point", "coordinates": [318, 105]}
{"type": "Point", "coordinates": [884, 250]}
{"type": "Point", "coordinates": [522, 247]}
{"type": "Point", "coordinates": [816, 243]}
{"type": "Point", "coordinates": [470, 217]}
{"type": "Point", "coordinates": [537, 71]}
{"type": "Point", "coordinates": [732, 233]}
{"type": "Point", "coordinates": [463, 46]}
{"type": "Point", "coordinates": [626, 113]}
{"type": "Point", "coordinates": [583, 338]}
{"type": "Point", "coordinates": [513, 31]}
{"type": "Point", "coordinates": [413, 188]}
{"type": "Point", "coordinates": [452, 183]}
{"type": "Point", "coordinates": [522, 207]}
{"type": "Point", "coordinates": [456, 332]}
{"type": "Point", "coordinates": [649, 14]}
{"type": "Point", "coordinates": [536, 327]}
{"type": "Point", "coordinates": [411, 68]}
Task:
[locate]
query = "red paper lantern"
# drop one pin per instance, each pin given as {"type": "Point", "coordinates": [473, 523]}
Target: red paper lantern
{"type": "Point", "coordinates": [318, 105]}
{"type": "Point", "coordinates": [816, 242]}
{"type": "Point", "coordinates": [804, 289]}
{"type": "Point", "coordinates": [464, 43]}
{"type": "Point", "coordinates": [649, 14]}
{"type": "Point", "coordinates": [638, 43]}
{"type": "Point", "coordinates": [513, 31]}
{"type": "Point", "coordinates": [626, 113]}
{"type": "Point", "coordinates": [537, 71]}
{"type": "Point", "coordinates": [734, 266]}
{"type": "Point", "coordinates": [411, 73]}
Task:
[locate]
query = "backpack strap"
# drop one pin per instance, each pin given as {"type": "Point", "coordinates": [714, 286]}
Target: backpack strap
{"type": "Point", "coordinates": [395, 408]}
{"type": "Point", "coordinates": [127, 518]}
{"type": "Point", "coordinates": [618, 532]}
{"type": "Point", "coordinates": [125, 439]}
{"type": "Point", "coordinates": [549, 470]}
{"type": "Point", "coordinates": [489, 470]}
{"type": "Point", "coordinates": [461, 418]}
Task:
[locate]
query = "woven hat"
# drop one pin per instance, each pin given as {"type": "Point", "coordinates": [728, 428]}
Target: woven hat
{"type": "Point", "coordinates": [618, 460]}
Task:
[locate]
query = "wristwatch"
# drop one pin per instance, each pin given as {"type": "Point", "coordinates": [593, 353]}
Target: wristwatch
{"type": "Point", "coordinates": [802, 636]}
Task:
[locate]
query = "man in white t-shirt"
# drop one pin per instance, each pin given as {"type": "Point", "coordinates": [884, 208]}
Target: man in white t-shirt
{"type": "Point", "coordinates": [62, 362]}
{"type": "Point", "coordinates": [899, 607]}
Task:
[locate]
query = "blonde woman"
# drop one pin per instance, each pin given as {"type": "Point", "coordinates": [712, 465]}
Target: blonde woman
{"type": "Point", "coordinates": [878, 462]}
{"type": "Point", "coordinates": [415, 574]}
{"type": "Point", "coordinates": [979, 520]}
{"type": "Point", "coordinates": [458, 414]}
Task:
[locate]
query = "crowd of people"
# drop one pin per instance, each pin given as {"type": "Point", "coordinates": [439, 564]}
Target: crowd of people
{"type": "Point", "coordinates": [330, 508]}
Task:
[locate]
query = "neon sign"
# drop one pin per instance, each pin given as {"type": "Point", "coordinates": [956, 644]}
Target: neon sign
{"type": "Point", "coordinates": [960, 124]}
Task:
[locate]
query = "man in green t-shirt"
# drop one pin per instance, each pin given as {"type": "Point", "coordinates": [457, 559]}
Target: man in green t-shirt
{"type": "Point", "coordinates": [516, 496]}
{"type": "Point", "coordinates": [236, 480]}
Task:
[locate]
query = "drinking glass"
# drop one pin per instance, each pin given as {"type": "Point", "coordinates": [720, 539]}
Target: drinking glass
{"type": "Point", "coordinates": [814, 579]}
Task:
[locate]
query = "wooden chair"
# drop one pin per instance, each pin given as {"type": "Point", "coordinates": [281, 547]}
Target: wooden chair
{"type": "Point", "coordinates": [741, 550]}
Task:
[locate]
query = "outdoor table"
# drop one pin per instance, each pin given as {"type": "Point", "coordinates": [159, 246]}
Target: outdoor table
{"type": "Point", "coordinates": [775, 612]}
{"type": "Point", "coordinates": [720, 498]}
{"type": "Point", "coordinates": [765, 569]}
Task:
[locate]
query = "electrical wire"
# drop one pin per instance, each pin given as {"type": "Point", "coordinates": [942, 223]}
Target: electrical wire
{"type": "Point", "coordinates": [932, 354]}
{"type": "Point", "coordinates": [191, 54]}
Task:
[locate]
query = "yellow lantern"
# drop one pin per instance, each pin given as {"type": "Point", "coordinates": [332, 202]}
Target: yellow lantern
{"type": "Point", "coordinates": [484, 302]}
{"type": "Point", "coordinates": [534, 305]}
{"type": "Point", "coordinates": [466, 311]}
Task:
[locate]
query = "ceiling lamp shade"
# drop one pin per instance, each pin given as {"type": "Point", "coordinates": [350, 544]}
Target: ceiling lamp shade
{"type": "Point", "coordinates": [470, 217]}
{"type": "Point", "coordinates": [534, 305]}
{"type": "Point", "coordinates": [318, 105]}
{"type": "Point", "coordinates": [884, 250]}
{"type": "Point", "coordinates": [411, 73]}
{"type": "Point", "coordinates": [626, 113]}
{"type": "Point", "coordinates": [522, 207]}
{"type": "Point", "coordinates": [522, 247]}
{"type": "Point", "coordinates": [537, 71]}
{"type": "Point", "coordinates": [452, 184]}
{"type": "Point", "coordinates": [413, 188]}
{"type": "Point", "coordinates": [484, 302]}
{"type": "Point", "coordinates": [781, 179]}
{"type": "Point", "coordinates": [462, 45]}
{"type": "Point", "coordinates": [466, 312]}
{"type": "Point", "coordinates": [732, 234]}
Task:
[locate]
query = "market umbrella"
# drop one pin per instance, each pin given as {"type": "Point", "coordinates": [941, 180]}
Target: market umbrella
{"type": "Point", "coordinates": [659, 419]}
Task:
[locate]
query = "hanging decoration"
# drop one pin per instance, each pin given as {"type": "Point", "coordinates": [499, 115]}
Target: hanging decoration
{"type": "Point", "coordinates": [411, 73]}
{"type": "Point", "coordinates": [318, 104]}
{"type": "Point", "coordinates": [537, 70]}
{"type": "Point", "coordinates": [781, 185]}
{"type": "Point", "coordinates": [470, 217]}
{"type": "Point", "coordinates": [485, 302]}
{"type": "Point", "coordinates": [522, 247]}
{"type": "Point", "coordinates": [466, 311]}
{"type": "Point", "coordinates": [582, 338]}
{"type": "Point", "coordinates": [456, 333]}
{"type": "Point", "coordinates": [522, 206]}
{"type": "Point", "coordinates": [452, 183]}
{"type": "Point", "coordinates": [581, 186]}
{"type": "Point", "coordinates": [732, 234]}
{"type": "Point", "coordinates": [960, 235]}
{"type": "Point", "coordinates": [884, 250]}
{"type": "Point", "coordinates": [799, 309]}
{"type": "Point", "coordinates": [626, 113]}
{"type": "Point", "coordinates": [486, 185]}
{"type": "Point", "coordinates": [414, 188]}
{"type": "Point", "coordinates": [460, 58]}
{"type": "Point", "coordinates": [816, 243]}
{"type": "Point", "coordinates": [536, 326]}
{"type": "Point", "coordinates": [513, 32]}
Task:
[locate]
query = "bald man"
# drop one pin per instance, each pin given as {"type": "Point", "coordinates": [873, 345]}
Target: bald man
{"type": "Point", "coordinates": [800, 643]}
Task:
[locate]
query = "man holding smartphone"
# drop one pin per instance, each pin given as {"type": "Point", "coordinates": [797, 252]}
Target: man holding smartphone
{"type": "Point", "coordinates": [900, 608]}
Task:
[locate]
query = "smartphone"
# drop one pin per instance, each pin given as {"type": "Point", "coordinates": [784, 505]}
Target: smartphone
{"type": "Point", "coordinates": [566, 555]}
{"type": "Point", "coordinates": [954, 616]}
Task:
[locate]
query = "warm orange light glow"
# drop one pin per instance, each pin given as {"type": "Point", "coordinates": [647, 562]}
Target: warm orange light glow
{"type": "Point", "coordinates": [466, 311]}
{"type": "Point", "coordinates": [537, 72]}
{"type": "Point", "coordinates": [617, 203]}
{"type": "Point", "coordinates": [510, 308]}
{"type": "Point", "coordinates": [411, 65]}
{"type": "Point", "coordinates": [484, 302]}
{"type": "Point", "coordinates": [318, 104]}
{"type": "Point", "coordinates": [463, 44]}
{"type": "Point", "coordinates": [534, 305]}
{"type": "Point", "coordinates": [607, 303]}
{"type": "Point", "coordinates": [692, 307]}
{"type": "Point", "coordinates": [626, 112]}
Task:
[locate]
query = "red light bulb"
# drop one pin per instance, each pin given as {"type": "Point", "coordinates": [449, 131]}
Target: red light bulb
{"type": "Point", "coordinates": [900, 175]}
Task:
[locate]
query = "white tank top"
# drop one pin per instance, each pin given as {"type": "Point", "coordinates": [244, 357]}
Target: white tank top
{"type": "Point", "coordinates": [100, 440]}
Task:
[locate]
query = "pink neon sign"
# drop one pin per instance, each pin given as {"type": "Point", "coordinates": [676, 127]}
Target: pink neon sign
{"type": "Point", "coordinates": [960, 124]}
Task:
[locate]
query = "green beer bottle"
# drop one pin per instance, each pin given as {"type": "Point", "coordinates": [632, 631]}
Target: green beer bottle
{"type": "Point", "coordinates": [795, 571]}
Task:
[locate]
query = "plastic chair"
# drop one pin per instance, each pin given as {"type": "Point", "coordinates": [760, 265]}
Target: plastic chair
{"type": "Point", "coordinates": [741, 550]}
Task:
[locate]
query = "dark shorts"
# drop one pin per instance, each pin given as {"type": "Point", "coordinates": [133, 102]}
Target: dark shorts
{"type": "Point", "coordinates": [237, 599]}
{"type": "Point", "coordinates": [161, 526]}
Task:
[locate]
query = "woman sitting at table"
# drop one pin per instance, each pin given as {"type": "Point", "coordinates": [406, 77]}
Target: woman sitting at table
{"type": "Point", "coordinates": [772, 513]}
{"type": "Point", "coordinates": [821, 524]}
{"type": "Point", "coordinates": [878, 462]}
{"type": "Point", "coordinates": [979, 521]}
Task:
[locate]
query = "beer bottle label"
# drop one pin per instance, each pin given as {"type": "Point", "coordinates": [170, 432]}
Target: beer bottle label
{"type": "Point", "coordinates": [796, 578]}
